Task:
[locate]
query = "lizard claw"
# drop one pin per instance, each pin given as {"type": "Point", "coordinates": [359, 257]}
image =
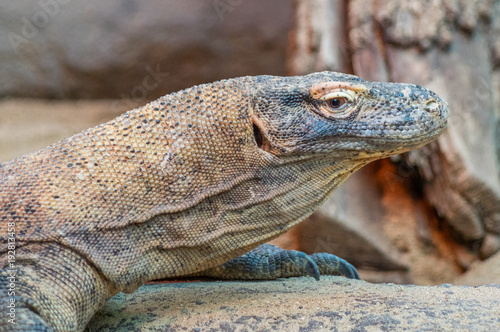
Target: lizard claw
{"type": "Point", "coordinates": [333, 265]}
{"type": "Point", "coordinates": [312, 268]}
{"type": "Point", "coordinates": [268, 262]}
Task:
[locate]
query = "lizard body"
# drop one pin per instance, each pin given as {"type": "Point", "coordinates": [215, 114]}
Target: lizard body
{"type": "Point", "coordinates": [190, 181]}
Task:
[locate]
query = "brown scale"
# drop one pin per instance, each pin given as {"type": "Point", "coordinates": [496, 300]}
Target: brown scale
{"type": "Point", "coordinates": [194, 179]}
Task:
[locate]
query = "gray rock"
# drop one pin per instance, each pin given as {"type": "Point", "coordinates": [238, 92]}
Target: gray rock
{"type": "Point", "coordinates": [28, 125]}
{"type": "Point", "coordinates": [482, 273]}
{"type": "Point", "coordinates": [135, 49]}
{"type": "Point", "coordinates": [301, 304]}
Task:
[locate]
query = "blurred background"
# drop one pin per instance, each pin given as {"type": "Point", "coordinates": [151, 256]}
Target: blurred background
{"type": "Point", "coordinates": [431, 216]}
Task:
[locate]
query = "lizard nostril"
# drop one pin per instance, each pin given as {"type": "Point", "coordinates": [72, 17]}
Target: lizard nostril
{"type": "Point", "coordinates": [432, 106]}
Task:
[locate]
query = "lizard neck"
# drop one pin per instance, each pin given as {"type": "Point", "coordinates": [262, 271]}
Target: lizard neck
{"type": "Point", "coordinates": [250, 213]}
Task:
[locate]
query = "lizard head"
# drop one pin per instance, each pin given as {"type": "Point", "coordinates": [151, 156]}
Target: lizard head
{"type": "Point", "coordinates": [345, 116]}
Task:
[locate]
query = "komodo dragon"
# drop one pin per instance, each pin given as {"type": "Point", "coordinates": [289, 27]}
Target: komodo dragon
{"type": "Point", "coordinates": [188, 182]}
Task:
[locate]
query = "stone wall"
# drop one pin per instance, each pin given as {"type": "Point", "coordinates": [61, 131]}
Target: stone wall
{"type": "Point", "coordinates": [136, 49]}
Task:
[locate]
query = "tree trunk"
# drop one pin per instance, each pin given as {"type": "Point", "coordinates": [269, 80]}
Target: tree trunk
{"type": "Point", "coordinates": [439, 220]}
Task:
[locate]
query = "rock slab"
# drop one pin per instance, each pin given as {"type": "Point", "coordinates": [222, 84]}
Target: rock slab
{"type": "Point", "coordinates": [301, 304]}
{"type": "Point", "coordinates": [136, 49]}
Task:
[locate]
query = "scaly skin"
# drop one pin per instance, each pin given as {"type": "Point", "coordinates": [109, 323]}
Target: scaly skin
{"type": "Point", "coordinates": [188, 182]}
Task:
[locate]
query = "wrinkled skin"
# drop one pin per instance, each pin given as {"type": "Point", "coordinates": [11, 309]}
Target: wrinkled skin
{"type": "Point", "coordinates": [190, 181]}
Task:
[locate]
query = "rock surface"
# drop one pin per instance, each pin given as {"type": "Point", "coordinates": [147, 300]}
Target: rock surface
{"type": "Point", "coordinates": [301, 304]}
{"type": "Point", "coordinates": [486, 272]}
{"type": "Point", "coordinates": [136, 49]}
{"type": "Point", "coordinates": [27, 125]}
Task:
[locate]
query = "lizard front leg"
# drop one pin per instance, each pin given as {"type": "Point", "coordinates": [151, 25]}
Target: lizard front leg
{"type": "Point", "coordinates": [268, 262]}
{"type": "Point", "coordinates": [56, 289]}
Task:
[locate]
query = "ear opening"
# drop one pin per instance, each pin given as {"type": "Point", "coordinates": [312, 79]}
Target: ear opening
{"type": "Point", "coordinates": [257, 133]}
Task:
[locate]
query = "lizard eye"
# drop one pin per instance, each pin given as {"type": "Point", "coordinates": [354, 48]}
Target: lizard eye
{"type": "Point", "coordinates": [337, 99]}
{"type": "Point", "coordinates": [336, 102]}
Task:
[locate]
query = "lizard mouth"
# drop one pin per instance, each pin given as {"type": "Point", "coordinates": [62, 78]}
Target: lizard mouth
{"type": "Point", "coordinates": [373, 145]}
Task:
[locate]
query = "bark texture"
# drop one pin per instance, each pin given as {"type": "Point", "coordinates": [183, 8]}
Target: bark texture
{"type": "Point", "coordinates": [446, 195]}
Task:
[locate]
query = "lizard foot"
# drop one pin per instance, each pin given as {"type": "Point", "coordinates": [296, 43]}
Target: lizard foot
{"type": "Point", "coordinates": [268, 262]}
